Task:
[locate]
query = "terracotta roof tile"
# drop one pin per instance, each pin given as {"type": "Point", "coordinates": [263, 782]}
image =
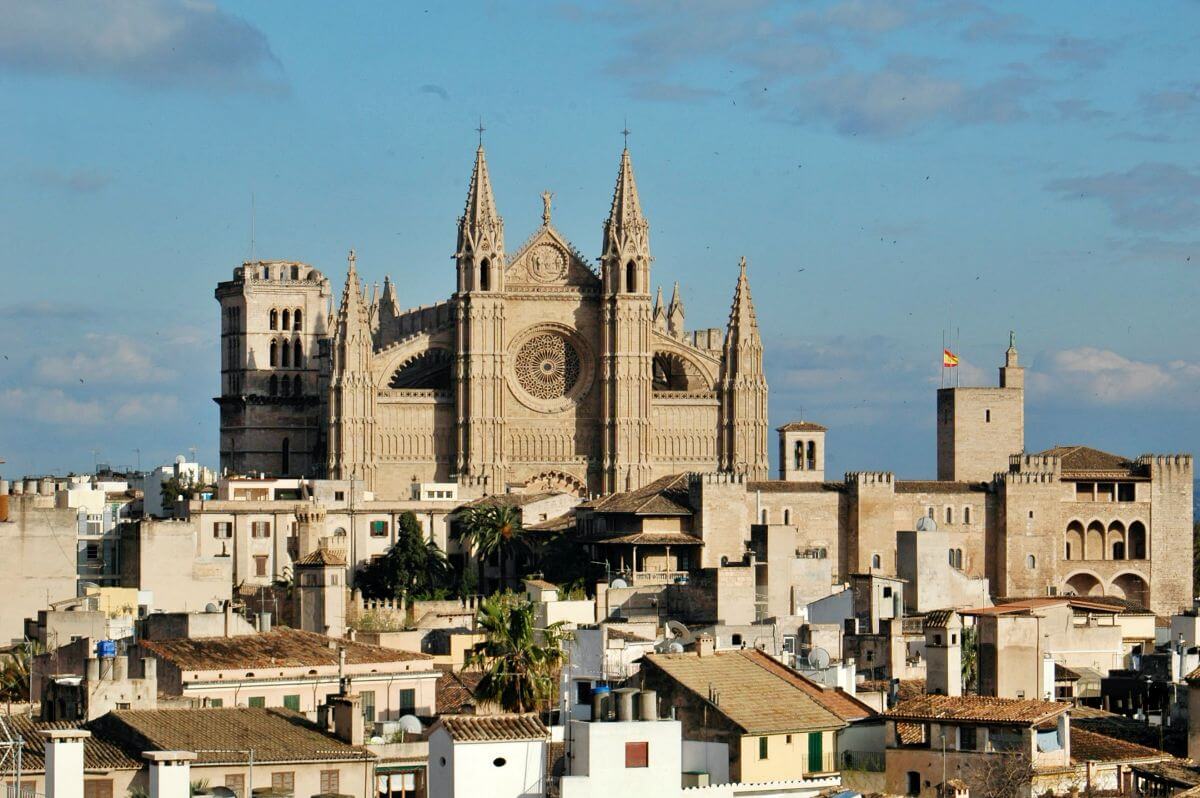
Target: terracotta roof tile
{"type": "Point", "coordinates": [322, 557]}
{"type": "Point", "coordinates": [937, 619]}
{"type": "Point", "coordinates": [276, 735]}
{"type": "Point", "coordinates": [1088, 746]}
{"type": "Point", "coordinates": [98, 753]}
{"type": "Point", "coordinates": [983, 709]}
{"type": "Point", "coordinates": [801, 426]}
{"type": "Point", "coordinates": [487, 728]}
{"type": "Point", "coordinates": [664, 496]}
{"type": "Point", "coordinates": [938, 486]}
{"type": "Point", "coordinates": [510, 499]}
{"type": "Point", "coordinates": [655, 539]}
{"type": "Point", "coordinates": [754, 696]}
{"type": "Point", "coordinates": [837, 701]}
{"type": "Point", "coordinates": [456, 691]}
{"type": "Point", "coordinates": [1030, 605]}
{"type": "Point", "coordinates": [779, 486]}
{"type": "Point", "coordinates": [280, 647]}
{"type": "Point", "coordinates": [1084, 460]}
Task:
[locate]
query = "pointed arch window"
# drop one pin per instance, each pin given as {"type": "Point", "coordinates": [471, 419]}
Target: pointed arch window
{"type": "Point", "coordinates": [297, 354]}
{"type": "Point", "coordinates": [273, 386]}
{"type": "Point", "coordinates": [876, 561]}
{"type": "Point", "coordinates": [273, 360]}
{"type": "Point", "coordinates": [286, 455]}
{"type": "Point", "coordinates": [297, 386]}
{"type": "Point", "coordinates": [285, 354]}
{"type": "Point", "coordinates": [485, 275]}
{"type": "Point", "coordinates": [812, 455]}
{"type": "Point", "coordinates": [287, 320]}
{"type": "Point", "coordinates": [296, 321]}
{"type": "Point", "coordinates": [799, 455]}
{"type": "Point", "coordinates": [274, 319]}
{"type": "Point", "coordinates": [630, 278]}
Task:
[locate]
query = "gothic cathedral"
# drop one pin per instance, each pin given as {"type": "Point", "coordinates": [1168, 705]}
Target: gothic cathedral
{"type": "Point", "coordinates": [539, 373]}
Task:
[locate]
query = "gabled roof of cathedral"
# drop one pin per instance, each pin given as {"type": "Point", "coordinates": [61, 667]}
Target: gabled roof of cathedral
{"type": "Point", "coordinates": [664, 496]}
{"type": "Point", "coordinates": [1084, 459]}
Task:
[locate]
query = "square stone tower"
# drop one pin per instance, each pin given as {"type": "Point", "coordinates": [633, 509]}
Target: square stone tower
{"type": "Point", "coordinates": [978, 428]}
{"type": "Point", "coordinates": [802, 452]}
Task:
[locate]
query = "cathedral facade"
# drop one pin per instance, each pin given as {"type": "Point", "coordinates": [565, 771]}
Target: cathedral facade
{"type": "Point", "coordinates": [540, 371]}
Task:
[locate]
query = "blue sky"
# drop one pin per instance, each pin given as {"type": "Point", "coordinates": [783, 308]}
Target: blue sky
{"type": "Point", "coordinates": [889, 169]}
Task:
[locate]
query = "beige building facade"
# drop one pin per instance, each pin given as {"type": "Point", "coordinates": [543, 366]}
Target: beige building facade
{"type": "Point", "coordinates": [539, 371]}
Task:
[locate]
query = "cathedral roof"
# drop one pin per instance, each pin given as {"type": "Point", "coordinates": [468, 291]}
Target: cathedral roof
{"type": "Point", "coordinates": [802, 426]}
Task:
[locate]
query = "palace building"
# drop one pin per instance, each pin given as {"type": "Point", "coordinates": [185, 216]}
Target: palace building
{"type": "Point", "coordinates": [540, 372]}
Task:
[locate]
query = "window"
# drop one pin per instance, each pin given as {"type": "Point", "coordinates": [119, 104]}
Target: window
{"type": "Point", "coordinates": [339, 495]}
{"type": "Point", "coordinates": [297, 354]}
{"type": "Point", "coordinates": [799, 455]}
{"type": "Point", "coordinates": [256, 701]}
{"type": "Point", "coordinates": [379, 529]}
{"type": "Point", "coordinates": [223, 529]}
{"type": "Point", "coordinates": [987, 416]}
{"type": "Point", "coordinates": [812, 456]}
{"type": "Point", "coordinates": [967, 738]}
{"type": "Point", "coordinates": [914, 783]}
{"type": "Point", "coordinates": [630, 278]}
{"type": "Point", "coordinates": [762, 747]}
{"type": "Point", "coordinates": [788, 739]}
{"type": "Point", "coordinates": [236, 784]}
{"type": "Point", "coordinates": [937, 640]}
{"type": "Point", "coordinates": [123, 705]}
{"type": "Point", "coordinates": [274, 319]}
{"type": "Point", "coordinates": [930, 512]}
{"type": "Point", "coordinates": [408, 701]}
{"type": "Point", "coordinates": [287, 319]}
{"type": "Point", "coordinates": [966, 515]}
{"type": "Point", "coordinates": [1126, 492]}
{"type": "Point", "coordinates": [583, 693]}
{"type": "Point", "coordinates": [295, 272]}
{"type": "Point", "coordinates": [92, 552]}
{"type": "Point", "coordinates": [1031, 562]}
{"type": "Point", "coordinates": [98, 788]}
{"type": "Point", "coordinates": [887, 591]}
{"type": "Point", "coordinates": [368, 705]}
{"type": "Point", "coordinates": [296, 325]}
{"type": "Point", "coordinates": [485, 275]}
{"type": "Point", "coordinates": [764, 516]}
{"type": "Point", "coordinates": [260, 529]}
{"type": "Point", "coordinates": [292, 702]}
{"type": "Point", "coordinates": [949, 515]}
{"type": "Point", "coordinates": [284, 782]}
{"type": "Point", "coordinates": [329, 782]}
{"type": "Point", "coordinates": [787, 516]}
{"type": "Point", "coordinates": [260, 565]}
{"type": "Point", "coordinates": [499, 762]}
{"type": "Point", "coordinates": [274, 356]}
{"type": "Point", "coordinates": [875, 561]}
{"type": "Point", "coordinates": [736, 640]}
{"type": "Point", "coordinates": [637, 755]}
{"type": "Point", "coordinates": [285, 355]}
{"type": "Point", "coordinates": [216, 703]}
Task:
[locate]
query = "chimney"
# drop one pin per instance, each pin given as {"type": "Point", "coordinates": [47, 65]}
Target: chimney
{"type": "Point", "coordinates": [705, 645]}
{"type": "Point", "coordinates": [170, 773]}
{"type": "Point", "coordinates": [228, 617]}
{"type": "Point", "coordinates": [348, 721]}
{"type": "Point", "coordinates": [64, 762]}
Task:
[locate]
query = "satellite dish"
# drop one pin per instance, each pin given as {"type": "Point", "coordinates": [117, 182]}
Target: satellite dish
{"type": "Point", "coordinates": [411, 724]}
{"type": "Point", "coordinates": [681, 633]}
{"type": "Point", "coordinates": [818, 659]}
{"type": "Point", "coordinates": [618, 582]}
{"type": "Point", "coordinates": [211, 607]}
{"type": "Point", "coordinates": [675, 647]}
{"type": "Point", "coordinates": [222, 792]}
{"type": "Point", "coordinates": [926, 524]}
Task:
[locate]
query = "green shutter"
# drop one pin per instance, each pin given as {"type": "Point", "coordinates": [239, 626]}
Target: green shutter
{"type": "Point", "coordinates": [256, 701]}
{"type": "Point", "coordinates": [815, 752]}
{"type": "Point", "coordinates": [292, 702]}
{"type": "Point", "coordinates": [762, 747]}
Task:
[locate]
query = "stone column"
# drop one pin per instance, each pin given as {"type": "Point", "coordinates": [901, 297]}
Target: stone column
{"type": "Point", "coordinates": [170, 773]}
{"type": "Point", "coordinates": [64, 762]}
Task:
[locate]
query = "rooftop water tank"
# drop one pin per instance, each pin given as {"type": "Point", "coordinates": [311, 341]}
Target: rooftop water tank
{"type": "Point", "coordinates": [106, 649]}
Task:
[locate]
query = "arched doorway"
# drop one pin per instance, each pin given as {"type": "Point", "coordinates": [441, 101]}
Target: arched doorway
{"type": "Point", "coordinates": [1093, 542]}
{"type": "Point", "coordinates": [1085, 585]}
{"type": "Point", "coordinates": [1116, 540]}
{"type": "Point", "coordinates": [1132, 588]}
{"type": "Point", "coordinates": [1135, 545]}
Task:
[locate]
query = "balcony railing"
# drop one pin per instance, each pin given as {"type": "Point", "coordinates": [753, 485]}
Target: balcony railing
{"type": "Point", "coordinates": [827, 763]}
{"type": "Point", "coordinates": [869, 761]}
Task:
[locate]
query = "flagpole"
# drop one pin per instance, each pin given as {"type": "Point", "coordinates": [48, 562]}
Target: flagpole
{"type": "Point", "coordinates": [957, 349]}
{"type": "Point", "coordinates": [942, 362]}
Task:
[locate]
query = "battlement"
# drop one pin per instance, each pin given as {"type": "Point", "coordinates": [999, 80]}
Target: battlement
{"type": "Point", "coordinates": [1038, 463]}
{"type": "Point", "coordinates": [870, 478]}
{"type": "Point", "coordinates": [716, 478]}
{"type": "Point", "coordinates": [1166, 462]}
{"type": "Point", "coordinates": [424, 317]}
{"type": "Point", "coordinates": [309, 514]}
{"type": "Point", "coordinates": [1028, 477]}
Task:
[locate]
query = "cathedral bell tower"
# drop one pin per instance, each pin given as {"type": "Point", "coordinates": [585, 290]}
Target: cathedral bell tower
{"type": "Point", "coordinates": [351, 388]}
{"type": "Point", "coordinates": [479, 355]}
{"type": "Point", "coordinates": [627, 338]}
{"type": "Point", "coordinates": [742, 444]}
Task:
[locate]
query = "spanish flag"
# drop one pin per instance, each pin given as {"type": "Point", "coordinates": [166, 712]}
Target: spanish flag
{"type": "Point", "coordinates": [949, 359]}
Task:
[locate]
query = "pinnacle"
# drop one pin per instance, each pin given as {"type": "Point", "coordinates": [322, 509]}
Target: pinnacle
{"type": "Point", "coordinates": [481, 205]}
{"type": "Point", "coordinates": [626, 207]}
{"type": "Point", "coordinates": [742, 318]}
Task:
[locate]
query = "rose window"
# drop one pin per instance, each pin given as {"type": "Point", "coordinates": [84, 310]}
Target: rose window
{"type": "Point", "coordinates": [547, 366]}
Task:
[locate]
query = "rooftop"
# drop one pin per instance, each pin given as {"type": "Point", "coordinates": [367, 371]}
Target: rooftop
{"type": "Point", "coordinates": [1031, 605]}
{"type": "Point", "coordinates": [279, 648]}
{"type": "Point", "coordinates": [1084, 461]}
{"type": "Point", "coordinates": [752, 691]}
{"type": "Point", "coordinates": [664, 496]}
{"type": "Point", "coordinates": [276, 735]}
{"type": "Point", "coordinates": [491, 728]}
{"type": "Point", "coordinates": [802, 426]}
{"type": "Point", "coordinates": [98, 753]}
{"type": "Point", "coordinates": [976, 709]}
{"type": "Point", "coordinates": [1088, 746]}
{"type": "Point", "coordinates": [655, 539]}
{"type": "Point", "coordinates": [322, 556]}
{"type": "Point", "coordinates": [511, 499]}
{"type": "Point", "coordinates": [456, 690]}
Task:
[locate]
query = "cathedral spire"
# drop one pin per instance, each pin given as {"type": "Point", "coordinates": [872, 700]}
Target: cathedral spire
{"type": "Point", "coordinates": [627, 234]}
{"type": "Point", "coordinates": [660, 314]}
{"type": "Point", "coordinates": [743, 322]}
{"type": "Point", "coordinates": [480, 229]}
{"type": "Point", "coordinates": [675, 312]}
{"type": "Point", "coordinates": [353, 311]}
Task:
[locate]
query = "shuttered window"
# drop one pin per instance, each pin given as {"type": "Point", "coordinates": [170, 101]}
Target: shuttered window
{"type": "Point", "coordinates": [637, 755]}
{"type": "Point", "coordinates": [284, 781]}
{"type": "Point", "coordinates": [329, 781]}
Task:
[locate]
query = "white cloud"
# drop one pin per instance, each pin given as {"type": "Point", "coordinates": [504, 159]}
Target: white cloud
{"type": "Point", "coordinates": [50, 406]}
{"type": "Point", "coordinates": [149, 42]}
{"type": "Point", "coordinates": [1103, 377]}
{"type": "Point", "coordinates": [105, 359]}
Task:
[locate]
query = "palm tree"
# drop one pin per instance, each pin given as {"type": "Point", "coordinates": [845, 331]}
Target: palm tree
{"type": "Point", "coordinates": [520, 662]}
{"type": "Point", "coordinates": [494, 531]}
{"type": "Point", "coordinates": [15, 670]}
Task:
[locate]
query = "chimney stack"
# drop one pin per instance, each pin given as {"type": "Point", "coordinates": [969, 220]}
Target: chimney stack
{"type": "Point", "coordinates": [705, 645]}
{"type": "Point", "coordinates": [64, 762]}
{"type": "Point", "coordinates": [170, 773]}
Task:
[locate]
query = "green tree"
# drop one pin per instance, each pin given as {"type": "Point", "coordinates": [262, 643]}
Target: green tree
{"type": "Point", "coordinates": [174, 489]}
{"type": "Point", "coordinates": [520, 663]}
{"type": "Point", "coordinates": [15, 669]}
{"type": "Point", "coordinates": [494, 532]}
{"type": "Point", "coordinates": [412, 567]}
{"type": "Point", "coordinates": [970, 659]}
